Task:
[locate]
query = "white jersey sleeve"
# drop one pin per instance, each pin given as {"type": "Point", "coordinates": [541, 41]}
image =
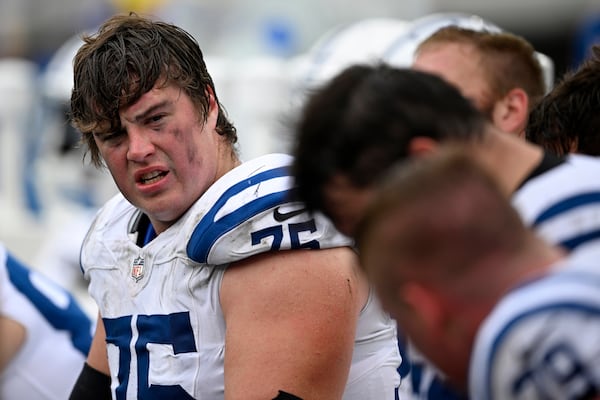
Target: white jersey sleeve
{"type": "Point", "coordinates": [541, 341]}
{"type": "Point", "coordinates": [252, 208]}
{"type": "Point", "coordinates": [58, 334]}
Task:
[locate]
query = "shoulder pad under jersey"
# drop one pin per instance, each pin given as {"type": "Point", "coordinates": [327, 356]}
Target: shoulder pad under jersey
{"type": "Point", "coordinates": [250, 211]}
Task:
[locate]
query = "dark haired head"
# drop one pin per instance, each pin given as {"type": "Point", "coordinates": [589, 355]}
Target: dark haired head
{"type": "Point", "coordinates": [364, 119]}
{"type": "Point", "coordinates": [568, 118]}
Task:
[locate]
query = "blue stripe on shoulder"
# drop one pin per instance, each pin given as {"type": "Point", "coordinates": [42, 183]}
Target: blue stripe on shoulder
{"type": "Point", "coordinates": [208, 231]}
{"type": "Point", "coordinates": [567, 204]}
{"type": "Point", "coordinates": [575, 241]}
{"type": "Point", "coordinates": [570, 204]}
{"type": "Point", "coordinates": [71, 319]}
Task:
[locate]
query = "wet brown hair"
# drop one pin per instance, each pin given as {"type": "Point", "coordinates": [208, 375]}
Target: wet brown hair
{"type": "Point", "coordinates": [125, 59]}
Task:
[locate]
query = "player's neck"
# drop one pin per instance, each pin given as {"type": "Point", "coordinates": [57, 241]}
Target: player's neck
{"type": "Point", "coordinates": [510, 158]}
{"type": "Point", "coordinates": [536, 261]}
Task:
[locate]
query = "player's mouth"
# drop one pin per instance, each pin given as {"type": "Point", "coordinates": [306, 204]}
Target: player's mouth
{"type": "Point", "coordinates": [152, 177]}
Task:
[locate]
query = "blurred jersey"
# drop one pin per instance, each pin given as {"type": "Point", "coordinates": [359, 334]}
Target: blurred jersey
{"type": "Point", "coordinates": [561, 201]}
{"type": "Point", "coordinates": [541, 340]}
{"type": "Point", "coordinates": [58, 334]}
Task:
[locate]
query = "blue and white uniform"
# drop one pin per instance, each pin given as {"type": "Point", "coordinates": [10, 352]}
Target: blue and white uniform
{"type": "Point", "coordinates": [58, 334]}
{"type": "Point", "coordinates": [541, 340]}
{"type": "Point", "coordinates": [160, 302]}
{"type": "Point", "coordinates": [561, 201]}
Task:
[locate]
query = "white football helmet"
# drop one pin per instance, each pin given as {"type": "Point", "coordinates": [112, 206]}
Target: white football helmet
{"type": "Point", "coordinates": [364, 41]}
{"type": "Point", "coordinates": [400, 53]}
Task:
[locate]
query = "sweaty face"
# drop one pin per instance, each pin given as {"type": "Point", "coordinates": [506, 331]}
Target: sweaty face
{"type": "Point", "coordinates": [345, 204]}
{"type": "Point", "coordinates": [459, 65]}
{"type": "Point", "coordinates": [166, 155]}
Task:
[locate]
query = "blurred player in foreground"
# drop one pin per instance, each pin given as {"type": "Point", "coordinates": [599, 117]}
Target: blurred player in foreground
{"type": "Point", "coordinates": [501, 312]}
{"type": "Point", "coordinates": [459, 47]}
{"type": "Point", "coordinates": [45, 334]}
{"type": "Point", "coordinates": [195, 299]}
{"type": "Point", "coordinates": [370, 117]}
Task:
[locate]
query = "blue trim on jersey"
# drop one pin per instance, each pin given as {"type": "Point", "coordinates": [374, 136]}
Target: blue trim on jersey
{"type": "Point", "coordinates": [208, 231]}
{"type": "Point", "coordinates": [578, 240]}
{"type": "Point", "coordinates": [404, 367]}
{"type": "Point", "coordinates": [567, 204]}
{"type": "Point", "coordinates": [71, 319]}
{"type": "Point", "coordinates": [570, 204]}
{"type": "Point", "coordinates": [588, 309]}
{"type": "Point", "coordinates": [150, 234]}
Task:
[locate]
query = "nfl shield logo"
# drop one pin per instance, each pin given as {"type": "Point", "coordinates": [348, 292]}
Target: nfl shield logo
{"type": "Point", "coordinates": [137, 269]}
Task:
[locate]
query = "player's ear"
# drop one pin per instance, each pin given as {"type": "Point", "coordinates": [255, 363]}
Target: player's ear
{"type": "Point", "coordinates": [213, 107]}
{"type": "Point", "coordinates": [425, 305]}
{"type": "Point", "coordinates": [510, 113]}
{"type": "Point", "coordinates": [422, 146]}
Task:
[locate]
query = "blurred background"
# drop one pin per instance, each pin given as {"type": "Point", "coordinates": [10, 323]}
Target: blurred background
{"type": "Point", "coordinates": [260, 52]}
{"type": "Point", "coordinates": [36, 28]}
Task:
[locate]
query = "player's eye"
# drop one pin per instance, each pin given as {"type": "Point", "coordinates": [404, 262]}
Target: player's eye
{"type": "Point", "coordinates": [109, 136]}
{"type": "Point", "coordinates": [155, 118]}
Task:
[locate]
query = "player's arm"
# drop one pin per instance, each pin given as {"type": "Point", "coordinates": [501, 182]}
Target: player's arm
{"type": "Point", "coordinates": [94, 380]}
{"type": "Point", "coordinates": [291, 319]}
{"type": "Point", "coordinates": [13, 337]}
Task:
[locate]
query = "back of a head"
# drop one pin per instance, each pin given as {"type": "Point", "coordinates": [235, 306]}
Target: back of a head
{"type": "Point", "coordinates": [401, 52]}
{"type": "Point", "coordinates": [508, 60]}
{"type": "Point", "coordinates": [568, 118]}
{"type": "Point", "coordinates": [444, 212]}
{"type": "Point", "coordinates": [128, 56]}
{"type": "Point", "coordinates": [364, 119]}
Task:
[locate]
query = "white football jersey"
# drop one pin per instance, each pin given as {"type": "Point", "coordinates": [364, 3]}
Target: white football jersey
{"type": "Point", "coordinates": [58, 334]}
{"type": "Point", "coordinates": [562, 203]}
{"type": "Point", "coordinates": [160, 303]}
{"type": "Point", "coordinates": [541, 340]}
{"type": "Point", "coordinates": [555, 319]}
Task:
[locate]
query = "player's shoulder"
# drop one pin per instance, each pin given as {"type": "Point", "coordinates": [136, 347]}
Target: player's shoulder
{"type": "Point", "coordinates": [559, 178]}
{"type": "Point", "coordinates": [563, 203]}
{"type": "Point", "coordinates": [252, 210]}
{"type": "Point", "coordinates": [550, 320]}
